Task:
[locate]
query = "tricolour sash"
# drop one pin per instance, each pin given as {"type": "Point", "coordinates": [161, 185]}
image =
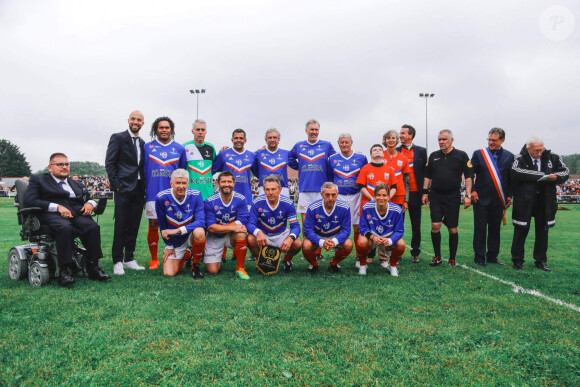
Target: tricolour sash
{"type": "Point", "coordinates": [494, 173]}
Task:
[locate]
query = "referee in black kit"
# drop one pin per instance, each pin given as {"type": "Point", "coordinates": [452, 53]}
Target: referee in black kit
{"type": "Point", "coordinates": [443, 173]}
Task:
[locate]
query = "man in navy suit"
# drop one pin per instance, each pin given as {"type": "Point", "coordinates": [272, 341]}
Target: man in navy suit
{"type": "Point", "coordinates": [124, 164]}
{"type": "Point", "coordinates": [65, 212]}
{"type": "Point", "coordinates": [417, 156]}
{"type": "Point", "coordinates": [491, 195]}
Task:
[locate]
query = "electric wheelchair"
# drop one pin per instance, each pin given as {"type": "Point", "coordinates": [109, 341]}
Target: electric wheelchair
{"type": "Point", "coordinates": [38, 259]}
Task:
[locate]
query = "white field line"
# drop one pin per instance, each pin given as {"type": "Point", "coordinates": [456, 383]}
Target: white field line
{"type": "Point", "coordinates": [519, 289]}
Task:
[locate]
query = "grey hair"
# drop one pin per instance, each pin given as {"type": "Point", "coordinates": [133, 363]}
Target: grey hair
{"type": "Point", "coordinates": [344, 135]}
{"type": "Point", "coordinates": [272, 179]}
{"type": "Point", "coordinates": [312, 121]}
{"type": "Point", "coordinates": [498, 131]}
{"type": "Point", "coordinates": [388, 134]}
{"type": "Point", "coordinates": [534, 140]}
{"type": "Point", "coordinates": [448, 132]}
{"type": "Point", "coordinates": [179, 173]}
{"type": "Point", "coordinates": [273, 130]}
{"type": "Point", "coordinates": [328, 185]}
{"type": "Point", "coordinates": [198, 121]}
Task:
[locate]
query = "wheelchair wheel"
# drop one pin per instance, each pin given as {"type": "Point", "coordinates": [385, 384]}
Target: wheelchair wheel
{"type": "Point", "coordinates": [38, 275]}
{"type": "Point", "coordinates": [17, 267]}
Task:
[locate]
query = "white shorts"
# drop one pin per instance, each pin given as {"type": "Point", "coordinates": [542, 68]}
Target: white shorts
{"type": "Point", "coordinates": [214, 247]}
{"type": "Point", "coordinates": [150, 210]}
{"type": "Point", "coordinates": [284, 192]}
{"type": "Point", "coordinates": [305, 199]}
{"type": "Point", "coordinates": [353, 202]}
{"type": "Point", "coordinates": [180, 250]}
{"type": "Point", "coordinates": [276, 240]}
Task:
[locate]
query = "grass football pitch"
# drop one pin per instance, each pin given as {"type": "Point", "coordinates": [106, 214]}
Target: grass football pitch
{"type": "Point", "coordinates": [429, 326]}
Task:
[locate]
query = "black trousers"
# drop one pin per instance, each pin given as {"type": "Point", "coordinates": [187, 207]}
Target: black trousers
{"type": "Point", "coordinates": [64, 233]}
{"type": "Point", "coordinates": [541, 243]}
{"type": "Point", "coordinates": [415, 216]}
{"type": "Point", "coordinates": [128, 213]}
{"type": "Point", "coordinates": [486, 228]}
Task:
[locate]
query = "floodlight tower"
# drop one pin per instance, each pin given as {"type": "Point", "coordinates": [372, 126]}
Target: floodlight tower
{"type": "Point", "coordinates": [197, 92]}
{"type": "Point", "coordinates": [426, 96]}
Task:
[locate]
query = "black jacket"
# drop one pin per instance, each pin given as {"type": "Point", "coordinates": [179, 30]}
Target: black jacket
{"type": "Point", "coordinates": [121, 163]}
{"type": "Point", "coordinates": [419, 162]}
{"type": "Point", "coordinates": [43, 190]}
{"type": "Point", "coordinates": [484, 185]}
{"type": "Point", "coordinates": [527, 190]}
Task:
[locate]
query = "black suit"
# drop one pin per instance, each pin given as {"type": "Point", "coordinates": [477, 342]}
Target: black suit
{"type": "Point", "coordinates": [419, 160]}
{"type": "Point", "coordinates": [124, 172]}
{"type": "Point", "coordinates": [44, 190]}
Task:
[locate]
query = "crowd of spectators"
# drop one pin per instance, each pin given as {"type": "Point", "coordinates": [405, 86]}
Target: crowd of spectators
{"type": "Point", "coordinates": [569, 192]}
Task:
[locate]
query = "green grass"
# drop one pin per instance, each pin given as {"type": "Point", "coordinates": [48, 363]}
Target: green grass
{"type": "Point", "coordinates": [436, 326]}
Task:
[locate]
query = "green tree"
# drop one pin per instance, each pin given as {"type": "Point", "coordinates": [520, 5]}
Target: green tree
{"type": "Point", "coordinates": [573, 163]}
{"type": "Point", "coordinates": [84, 168]}
{"type": "Point", "coordinates": [12, 161]}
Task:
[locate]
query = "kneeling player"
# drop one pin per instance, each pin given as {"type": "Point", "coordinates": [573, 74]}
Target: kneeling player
{"type": "Point", "coordinates": [381, 225]}
{"type": "Point", "coordinates": [226, 213]}
{"type": "Point", "coordinates": [181, 220]}
{"type": "Point", "coordinates": [327, 226]}
{"type": "Point", "coordinates": [267, 225]}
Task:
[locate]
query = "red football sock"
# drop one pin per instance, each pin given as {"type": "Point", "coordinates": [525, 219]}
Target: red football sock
{"type": "Point", "coordinates": [197, 251]}
{"type": "Point", "coordinates": [339, 255]}
{"type": "Point", "coordinates": [318, 251]}
{"type": "Point", "coordinates": [224, 253]}
{"type": "Point", "coordinates": [240, 249]}
{"type": "Point", "coordinates": [363, 251]}
{"type": "Point", "coordinates": [310, 256]}
{"type": "Point", "coordinates": [396, 255]}
{"type": "Point", "coordinates": [153, 241]}
{"type": "Point", "coordinates": [186, 256]}
{"type": "Point", "coordinates": [355, 237]}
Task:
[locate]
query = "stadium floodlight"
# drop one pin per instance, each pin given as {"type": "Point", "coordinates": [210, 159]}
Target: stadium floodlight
{"type": "Point", "coordinates": [197, 92]}
{"type": "Point", "coordinates": [426, 96]}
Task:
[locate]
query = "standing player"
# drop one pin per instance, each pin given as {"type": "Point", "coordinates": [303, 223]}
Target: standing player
{"type": "Point", "coordinates": [226, 214]}
{"type": "Point", "coordinates": [267, 225]}
{"type": "Point", "coordinates": [444, 171]}
{"type": "Point", "coordinates": [381, 225]}
{"type": "Point", "coordinates": [200, 157]}
{"type": "Point", "coordinates": [181, 220]}
{"type": "Point", "coordinates": [271, 161]}
{"type": "Point", "coordinates": [346, 167]}
{"type": "Point", "coordinates": [417, 157]}
{"type": "Point", "coordinates": [327, 226]}
{"type": "Point", "coordinates": [400, 165]}
{"type": "Point", "coordinates": [491, 195]}
{"type": "Point", "coordinates": [374, 173]}
{"type": "Point", "coordinates": [162, 157]}
{"type": "Point", "coordinates": [238, 161]}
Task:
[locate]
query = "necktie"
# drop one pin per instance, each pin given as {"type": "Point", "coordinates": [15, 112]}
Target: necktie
{"type": "Point", "coordinates": [136, 149]}
{"type": "Point", "coordinates": [61, 184]}
{"type": "Point", "coordinates": [536, 165]}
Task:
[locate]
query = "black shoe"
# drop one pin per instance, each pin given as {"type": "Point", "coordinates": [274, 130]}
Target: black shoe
{"type": "Point", "coordinates": [543, 266]}
{"type": "Point", "coordinates": [415, 259]}
{"type": "Point", "coordinates": [65, 278]}
{"type": "Point", "coordinates": [436, 261]}
{"type": "Point", "coordinates": [518, 266]}
{"type": "Point", "coordinates": [320, 258]}
{"type": "Point", "coordinates": [479, 263]}
{"type": "Point", "coordinates": [333, 268]}
{"type": "Point", "coordinates": [288, 266]}
{"type": "Point", "coordinates": [496, 262]}
{"type": "Point", "coordinates": [311, 269]}
{"type": "Point", "coordinates": [97, 274]}
{"type": "Point", "coordinates": [196, 272]}
{"type": "Point", "coordinates": [252, 258]}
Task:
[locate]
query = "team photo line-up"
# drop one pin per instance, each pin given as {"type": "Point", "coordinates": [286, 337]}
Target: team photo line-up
{"type": "Point", "coordinates": [339, 192]}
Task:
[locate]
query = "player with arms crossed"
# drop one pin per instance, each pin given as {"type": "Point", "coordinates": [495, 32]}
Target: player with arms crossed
{"type": "Point", "coordinates": [181, 220]}
{"type": "Point", "coordinates": [327, 226]}
{"type": "Point", "coordinates": [267, 225]}
{"type": "Point", "coordinates": [381, 225]}
{"type": "Point", "coordinates": [226, 214]}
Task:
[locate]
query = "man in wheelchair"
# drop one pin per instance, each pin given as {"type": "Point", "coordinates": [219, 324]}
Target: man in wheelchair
{"type": "Point", "coordinates": [65, 212]}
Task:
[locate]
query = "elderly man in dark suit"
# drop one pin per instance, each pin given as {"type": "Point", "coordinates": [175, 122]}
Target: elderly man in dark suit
{"type": "Point", "coordinates": [491, 195]}
{"type": "Point", "coordinates": [124, 163]}
{"type": "Point", "coordinates": [417, 157]}
{"type": "Point", "coordinates": [67, 215]}
{"type": "Point", "coordinates": [535, 173]}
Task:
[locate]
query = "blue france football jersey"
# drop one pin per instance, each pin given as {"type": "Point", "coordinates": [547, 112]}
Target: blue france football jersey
{"type": "Point", "coordinates": [218, 212]}
{"type": "Point", "coordinates": [240, 164]}
{"type": "Point", "coordinates": [391, 225]}
{"type": "Point", "coordinates": [186, 215]}
{"type": "Point", "coordinates": [160, 161]}
{"type": "Point", "coordinates": [345, 171]}
{"type": "Point", "coordinates": [272, 221]}
{"type": "Point", "coordinates": [320, 225]}
{"type": "Point", "coordinates": [271, 163]}
{"type": "Point", "coordinates": [310, 160]}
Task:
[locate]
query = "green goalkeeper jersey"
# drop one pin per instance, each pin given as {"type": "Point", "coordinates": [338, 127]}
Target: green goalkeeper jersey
{"type": "Point", "coordinates": [199, 162]}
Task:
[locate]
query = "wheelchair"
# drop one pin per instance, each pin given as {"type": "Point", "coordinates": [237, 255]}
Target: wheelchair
{"type": "Point", "coordinates": [38, 259]}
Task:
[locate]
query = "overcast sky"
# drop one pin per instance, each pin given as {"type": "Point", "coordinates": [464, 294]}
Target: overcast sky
{"type": "Point", "coordinates": [73, 70]}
